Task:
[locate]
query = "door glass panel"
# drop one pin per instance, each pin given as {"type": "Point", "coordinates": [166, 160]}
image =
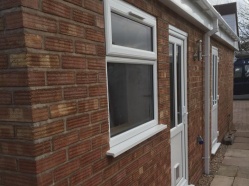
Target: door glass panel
{"type": "Point", "coordinates": [213, 82]}
{"type": "Point", "coordinates": [131, 97]}
{"type": "Point", "coordinates": [179, 84]}
{"type": "Point", "coordinates": [216, 78]}
{"type": "Point", "coordinates": [129, 33]}
{"type": "Point", "coordinates": [172, 85]}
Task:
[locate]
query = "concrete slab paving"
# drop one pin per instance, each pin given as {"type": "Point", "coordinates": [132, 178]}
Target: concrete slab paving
{"type": "Point", "coordinates": [241, 182]}
{"type": "Point", "coordinates": [237, 153]}
{"type": "Point", "coordinates": [228, 170]}
{"type": "Point", "coordinates": [243, 172]}
{"type": "Point", "coordinates": [242, 134]}
{"type": "Point", "coordinates": [234, 170]}
{"type": "Point", "coordinates": [222, 181]}
{"type": "Point", "coordinates": [241, 140]}
{"type": "Point", "coordinates": [243, 146]}
{"type": "Point", "coordinates": [240, 162]}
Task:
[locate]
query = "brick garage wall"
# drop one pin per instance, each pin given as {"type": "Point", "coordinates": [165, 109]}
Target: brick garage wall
{"type": "Point", "coordinates": [54, 115]}
{"type": "Point", "coordinates": [225, 91]}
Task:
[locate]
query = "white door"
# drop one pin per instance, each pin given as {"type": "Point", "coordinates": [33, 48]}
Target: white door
{"type": "Point", "coordinates": [215, 98]}
{"type": "Point", "coordinates": [178, 110]}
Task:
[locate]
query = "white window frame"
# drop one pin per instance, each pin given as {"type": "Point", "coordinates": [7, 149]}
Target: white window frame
{"type": "Point", "coordinates": [139, 129]}
{"type": "Point", "coordinates": [120, 54]}
{"type": "Point", "coordinates": [126, 10]}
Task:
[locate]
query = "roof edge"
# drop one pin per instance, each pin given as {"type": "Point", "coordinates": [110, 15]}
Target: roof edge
{"type": "Point", "coordinates": [201, 13]}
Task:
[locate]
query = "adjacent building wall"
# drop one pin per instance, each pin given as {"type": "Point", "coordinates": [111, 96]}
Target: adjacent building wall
{"type": "Point", "coordinates": [53, 97]}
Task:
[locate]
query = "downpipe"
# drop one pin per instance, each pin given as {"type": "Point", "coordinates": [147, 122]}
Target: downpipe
{"type": "Point", "coordinates": [207, 88]}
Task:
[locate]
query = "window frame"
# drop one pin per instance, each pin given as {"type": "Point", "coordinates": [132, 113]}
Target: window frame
{"type": "Point", "coordinates": [124, 9]}
{"type": "Point", "coordinates": [115, 140]}
{"type": "Point", "coordinates": [121, 54]}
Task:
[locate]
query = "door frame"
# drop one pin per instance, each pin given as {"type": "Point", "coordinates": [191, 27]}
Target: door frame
{"type": "Point", "coordinates": [215, 145]}
{"type": "Point", "coordinates": [179, 34]}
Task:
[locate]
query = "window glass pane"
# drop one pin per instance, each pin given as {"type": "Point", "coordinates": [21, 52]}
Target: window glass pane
{"type": "Point", "coordinates": [129, 33]}
{"type": "Point", "coordinates": [213, 78]}
{"type": "Point", "coordinates": [172, 85]}
{"type": "Point", "coordinates": [216, 78]}
{"type": "Point", "coordinates": [131, 100]}
{"type": "Point", "coordinates": [246, 71]}
{"type": "Point", "coordinates": [179, 84]}
{"type": "Point", "coordinates": [238, 72]}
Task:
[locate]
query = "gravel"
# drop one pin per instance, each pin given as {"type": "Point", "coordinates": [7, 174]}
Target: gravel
{"type": "Point", "coordinates": [216, 161]}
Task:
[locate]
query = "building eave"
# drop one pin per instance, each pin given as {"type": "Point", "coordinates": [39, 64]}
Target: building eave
{"type": "Point", "coordinates": [201, 13]}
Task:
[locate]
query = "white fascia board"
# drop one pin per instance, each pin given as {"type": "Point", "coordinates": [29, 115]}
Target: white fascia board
{"type": "Point", "coordinates": [223, 35]}
{"type": "Point", "coordinates": [189, 10]}
{"type": "Point", "coordinates": [216, 15]}
{"type": "Point", "coordinates": [201, 13]}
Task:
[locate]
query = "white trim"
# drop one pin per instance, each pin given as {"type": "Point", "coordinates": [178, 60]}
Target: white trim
{"type": "Point", "coordinates": [215, 85]}
{"type": "Point", "coordinates": [173, 31]}
{"type": "Point", "coordinates": [215, 148]}
{"type": "Point", "coordinates": [116, 140]}
{"type": "Point", "coordinates": [215, 50]}
{"type": "Point", "coordinates": [125, 10]}
{"type": "Point", "coordinates": [135, 140]}
{"type": "Point", "coordinates": [201, 13]}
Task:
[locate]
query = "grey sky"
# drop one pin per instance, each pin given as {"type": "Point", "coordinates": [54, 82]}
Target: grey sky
{"type": "Point", "coordinates": [216, 2]}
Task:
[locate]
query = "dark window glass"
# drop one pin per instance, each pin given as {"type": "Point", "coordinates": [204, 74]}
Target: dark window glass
{"type": "Point", "coordinates": [129, 33]}
{"type": "Point", "coordinates": [179, 84]}
{"type": "Point", "coordinates": [216, 78]}
{"type": "Point", "coordinates": [172, 86]}
{"type": "Point", "coordinates": [131, 100]}
{"type": "Point", "coordinates": [247, 71]}
{"type": "Point", "coordinates": [238, 72]}
{"type": "Point", "coordinates": [213, 76]}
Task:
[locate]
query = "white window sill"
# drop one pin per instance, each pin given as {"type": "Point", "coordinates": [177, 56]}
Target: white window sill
{"type": "Point", "coordinates": [128, 144]}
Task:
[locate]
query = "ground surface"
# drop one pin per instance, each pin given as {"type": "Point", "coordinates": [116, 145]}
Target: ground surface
{"type": "Point", "coordinates": [230, 166]}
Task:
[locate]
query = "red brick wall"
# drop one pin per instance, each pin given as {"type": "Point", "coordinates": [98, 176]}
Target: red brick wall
{"type": "Point", "coordinates": [16, 112]}
{"type": "Point", "coordinates": [53, 104]}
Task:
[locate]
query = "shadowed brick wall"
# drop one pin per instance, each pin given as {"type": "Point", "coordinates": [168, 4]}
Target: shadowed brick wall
{"type": "Point", "coordinates": [53, 97]}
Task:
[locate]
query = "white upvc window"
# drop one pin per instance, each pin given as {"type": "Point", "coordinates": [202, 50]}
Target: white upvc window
{"type": "Point", "coordinates": [132, 76]}
{"type": "Point", "coordinates": [130, 32]}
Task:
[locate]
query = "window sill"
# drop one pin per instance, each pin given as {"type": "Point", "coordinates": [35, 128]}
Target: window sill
{"type": "Point", "coordinates": [128, 144]}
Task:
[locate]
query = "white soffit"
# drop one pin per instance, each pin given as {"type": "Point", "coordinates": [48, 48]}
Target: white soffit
{"type": "Point", "coordinates": [201, 13]}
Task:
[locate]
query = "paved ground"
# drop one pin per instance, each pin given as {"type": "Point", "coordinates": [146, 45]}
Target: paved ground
{"type": "Point", "coordinates": [234, 170]}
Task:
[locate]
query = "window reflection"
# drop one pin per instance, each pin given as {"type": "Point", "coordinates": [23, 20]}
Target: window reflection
{"type": "Point", "coordinates": [131, 96]}
{"type": "Point", "coordinates": [172, 85]}
{"type": "Point", "coordinates": [246, 71]}
{"type": "Point", "coordinates": [129, 33]}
